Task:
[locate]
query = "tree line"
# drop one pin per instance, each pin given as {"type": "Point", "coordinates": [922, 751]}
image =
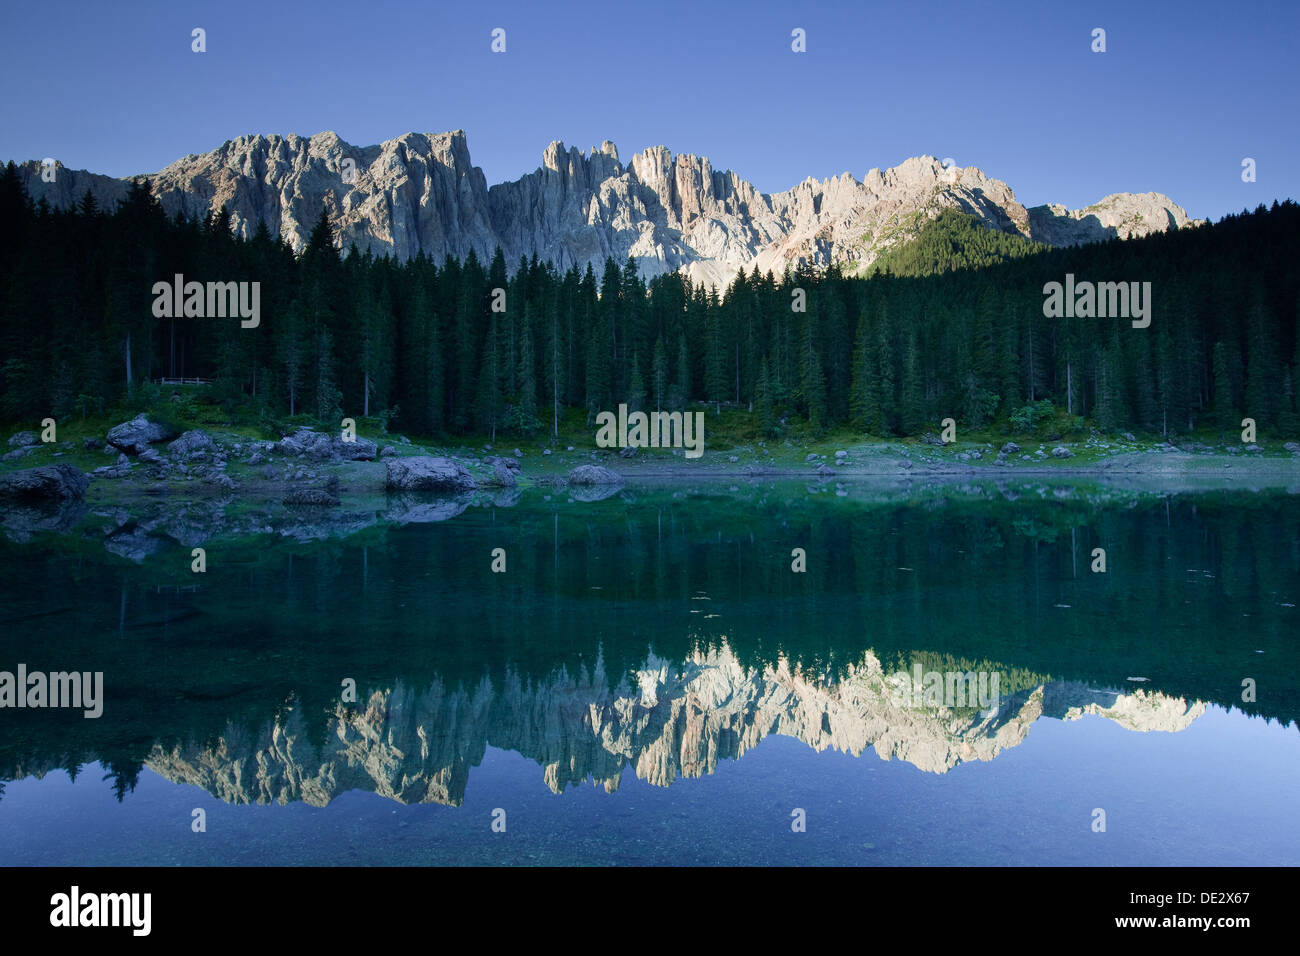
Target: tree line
{"type": "Point", "coordinates": [421, 344]}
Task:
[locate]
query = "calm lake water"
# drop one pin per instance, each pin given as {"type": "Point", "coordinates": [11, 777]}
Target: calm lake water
{"type": "Point", "coordinates": [649, 681]}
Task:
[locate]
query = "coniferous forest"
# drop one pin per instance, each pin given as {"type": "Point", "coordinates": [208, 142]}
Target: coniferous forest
{"type": "Point", "coordinates": [949, 325]}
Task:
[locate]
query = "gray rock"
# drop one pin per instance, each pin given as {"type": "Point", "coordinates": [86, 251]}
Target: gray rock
{"type": "Point", "coordinates": [1010, 448]}
{"type": "Point", "coordinates": [19, 453]}
{"type": "Point", "coordinates": [594, 475]}
{"type": "Point", "coordinates": [425, 473]}
{"type": "Point", "coordinates": [1292, 447]}
{"type": "Point", "coordinates": [139, 433]}
{"type": "Point", "coordinates": [193, 443]}
{"type": "Point", "coordinates": [309, 443]}
{"type": "Point", "coordinates": [388, 451]}
{"type": "Point", "coordinates": [23, 439]}
{"type": "Point", "coordinates": [46, 483]}
{"type": "Point", "coordinates": [1253, 449]}
{"type": "Point", "coordinates": [841, 454]}
{"type": "Point", "coordinates": [1060, 451]}
{"type": "Point", "coordinates": [362, 449]}
{"type": "Point", "coordinates": [628, 452]}
{"type": "Point", "coordinates": [91, 443]}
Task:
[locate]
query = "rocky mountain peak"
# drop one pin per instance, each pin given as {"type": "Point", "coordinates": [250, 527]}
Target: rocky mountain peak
{"type": "Point", "coordinates": [421, 193]}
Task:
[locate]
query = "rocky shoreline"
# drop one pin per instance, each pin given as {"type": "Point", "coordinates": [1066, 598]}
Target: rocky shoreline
{"type": "Point", "coordinates": [162, 488]}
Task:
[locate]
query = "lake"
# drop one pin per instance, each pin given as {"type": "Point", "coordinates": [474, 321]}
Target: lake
{"type": "Point", "coordinates": [649, 681]}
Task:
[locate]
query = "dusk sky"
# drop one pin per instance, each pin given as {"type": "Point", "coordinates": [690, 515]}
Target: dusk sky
{"type": "Point", "coordinates": [1182, 94]}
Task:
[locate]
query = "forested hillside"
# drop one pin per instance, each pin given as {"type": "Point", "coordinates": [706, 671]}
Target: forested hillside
{"type": "Point", "coordinates": [418, 343]}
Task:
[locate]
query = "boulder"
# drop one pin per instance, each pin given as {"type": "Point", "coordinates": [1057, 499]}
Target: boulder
{"type": "Point", "coordinates": [17, 453]}
{"type": "Point", "coordinates": [92, 444]}
{"type": "Point", "coordinates": [426, 473]}
{"type": "Point", "coordinates": [1060, 451]}
{"type": "Point", "coordinates": [388, 451]}
{"type": "Point", "coordinates": [593, 475]}
{"type": "Point", "coordinates": [1010, 448]}
{"type": "Point", "coordinates": [359, 449]}
{"type": "Point", "coordinates": [307, 442]}
{"type": "Point", "coordinates": [193, 443]}
{"type": "Point", "coordinates": [23, 439]}
{"type": "Point", "coordinates": [47, 483]}
{"type": "Point", "coordinates": [503, 476]}
{"type": "Point", "coordinates": [139, 433]}
{"type": "Point", "coordinates": [1292, 447]}
{"type": "Point", "coordinates": [628, 452]}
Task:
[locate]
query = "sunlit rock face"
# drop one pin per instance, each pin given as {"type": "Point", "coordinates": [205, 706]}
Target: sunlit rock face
{"type": "Point", "coordinates": [421, 194]}
{"type": "Point", "coordinates": [666, 720]}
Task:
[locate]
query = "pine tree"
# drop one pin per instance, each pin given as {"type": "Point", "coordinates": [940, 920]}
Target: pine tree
{"type": "Point", "coordinates": [658, 375]}
{"type": "Point", "coordinates": [763, 405]}
{"type": "Point", "coordinates": [1225, 414]}
{"type": "Point", "coordinates": [812, 381]}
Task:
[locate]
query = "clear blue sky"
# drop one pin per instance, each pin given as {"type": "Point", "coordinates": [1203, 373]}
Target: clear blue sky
{"type": "Point", "coordinates": [1184, 91]}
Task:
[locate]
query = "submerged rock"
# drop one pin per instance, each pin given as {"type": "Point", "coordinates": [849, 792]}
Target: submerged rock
{"type": "Point", "coordinates": [311, 496]}
{"type": "Point", "coordinates": [409, 509]}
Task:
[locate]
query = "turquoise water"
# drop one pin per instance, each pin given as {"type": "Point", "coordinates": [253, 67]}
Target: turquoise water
{"type": "Point", "coordinates": [649, 682]}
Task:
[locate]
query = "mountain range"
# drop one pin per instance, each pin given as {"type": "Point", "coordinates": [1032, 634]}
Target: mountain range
{"type": "Point", "coordinates": [420, 193]}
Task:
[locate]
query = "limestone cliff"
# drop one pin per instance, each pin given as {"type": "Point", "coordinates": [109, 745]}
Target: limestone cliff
{"type": "Point", "coordinates": [420, 193]}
